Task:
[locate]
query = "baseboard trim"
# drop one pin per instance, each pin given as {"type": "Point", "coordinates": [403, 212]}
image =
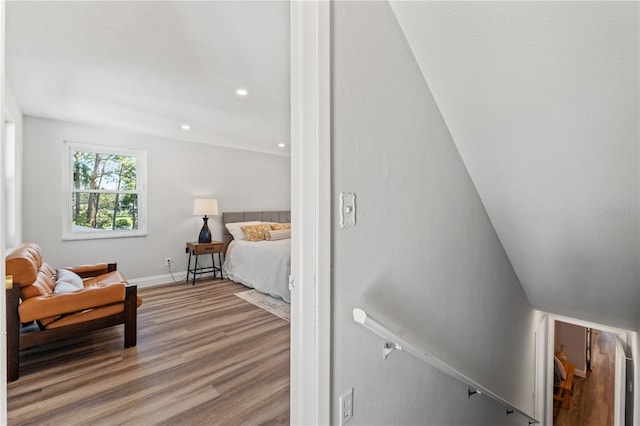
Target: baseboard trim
{"type": "Point", "coordinates": [580, 373]}
{"type": "Point", "coordinates": [159, 279]}
{"type": "Point", "coordinates": [152, 281]}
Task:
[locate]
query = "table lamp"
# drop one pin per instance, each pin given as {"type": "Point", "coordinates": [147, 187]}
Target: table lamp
{"type": "Point", "coordinates": [203, 207]}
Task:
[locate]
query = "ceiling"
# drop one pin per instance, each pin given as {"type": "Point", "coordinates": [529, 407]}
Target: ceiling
{"type": "Point", "coordinates": [150, 67]}
{"type": "Point", "coordinates": [542, 100]}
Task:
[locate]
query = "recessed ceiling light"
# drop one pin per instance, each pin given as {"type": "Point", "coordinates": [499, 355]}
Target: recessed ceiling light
{"type": "Point", "coordinates": [281, 145]}
{"type": "Point", "coordinates": [185, 127]}
{"type": "Point", "coordinates": [242, 92]}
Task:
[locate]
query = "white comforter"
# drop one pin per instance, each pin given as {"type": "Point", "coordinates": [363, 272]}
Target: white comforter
{"type": "Point", "coordinates": [262, 265]}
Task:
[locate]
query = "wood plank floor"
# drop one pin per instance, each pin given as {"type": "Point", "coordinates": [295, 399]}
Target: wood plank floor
{"type": "Point", "coordinates": [204, 357]}
{"type": "Point", "coordinates": [592, 397]}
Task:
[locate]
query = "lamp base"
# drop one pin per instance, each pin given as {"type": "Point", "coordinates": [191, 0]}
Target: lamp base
{"type": "Point", "coordinates": [205, 233]}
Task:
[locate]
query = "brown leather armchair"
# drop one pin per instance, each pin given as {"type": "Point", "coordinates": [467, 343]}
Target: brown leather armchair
{"type": "Point", "coordinates": [103, 299]}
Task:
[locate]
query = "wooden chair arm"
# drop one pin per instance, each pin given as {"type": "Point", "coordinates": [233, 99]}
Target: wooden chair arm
{"type": "Point", "coordinates": [88, 271]}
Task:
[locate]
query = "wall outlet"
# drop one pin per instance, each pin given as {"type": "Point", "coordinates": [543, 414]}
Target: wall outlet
{"type": "Point", "coordinates": [346, 407]}
{"type": "Point", "coordinates": [167, 261]}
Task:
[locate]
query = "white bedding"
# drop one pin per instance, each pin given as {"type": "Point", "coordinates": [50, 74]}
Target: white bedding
{"type": "Point", "coordinates": [262, 265]}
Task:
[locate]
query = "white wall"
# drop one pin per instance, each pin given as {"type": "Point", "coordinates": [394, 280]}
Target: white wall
{"type": "Point", "coordinates": [13, 113]}
{"type": "Point", "coordinates": [423, 257]}
{"type": "Point", "coordinates": [177, 172]}
{"type": "Point", "coordinates": [574, 339]}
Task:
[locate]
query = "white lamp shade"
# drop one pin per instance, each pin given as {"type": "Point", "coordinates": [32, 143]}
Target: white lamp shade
{"type": "Point", "coordinates": [205, 207]}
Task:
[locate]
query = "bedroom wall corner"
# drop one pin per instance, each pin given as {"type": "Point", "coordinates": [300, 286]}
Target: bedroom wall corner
{"type": "Point", "coordinates": [177, 173]}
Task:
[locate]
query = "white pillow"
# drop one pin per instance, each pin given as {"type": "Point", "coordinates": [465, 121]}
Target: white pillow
{"type": "Point", "coordinates": [280, 234]}
{"type": "Point", "coordinates": [66, 276]}
{"type": "Point", "coordinates": [235, 229]}
{"type": "Point", "coordinates": [64, 287]}
{"type": "Point", "coordinates": [560, 368]}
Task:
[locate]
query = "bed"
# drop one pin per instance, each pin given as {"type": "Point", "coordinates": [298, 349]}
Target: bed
{"type": "Point", "coordinates": [262, 265]}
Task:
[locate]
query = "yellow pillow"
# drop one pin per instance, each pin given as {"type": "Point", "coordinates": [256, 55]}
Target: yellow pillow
{"type": "Point", "coordinates": [256, 232]}
{"type": "Point", "coordinates": [279, 226]}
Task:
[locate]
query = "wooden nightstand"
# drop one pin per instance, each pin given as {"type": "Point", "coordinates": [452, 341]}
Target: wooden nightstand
{"type": "Point", "coordinates": [196, 249]}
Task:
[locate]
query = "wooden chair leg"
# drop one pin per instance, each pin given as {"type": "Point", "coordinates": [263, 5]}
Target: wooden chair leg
{"type": "Point", "coordinates": [567, 399]}
{"type": "Point", "coordinates": [13, 333]}
{"type": "Point", "coordinates": [130, 316]}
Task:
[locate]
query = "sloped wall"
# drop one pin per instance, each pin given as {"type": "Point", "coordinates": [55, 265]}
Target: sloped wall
{"type": "Point", "coordinates": [423, 257]}
{"type": "Point", "coordinates": [543, 101]}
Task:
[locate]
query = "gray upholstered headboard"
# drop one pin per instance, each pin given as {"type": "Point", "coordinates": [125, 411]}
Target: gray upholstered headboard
{"type": "Point", "coordinates": [230, 217]}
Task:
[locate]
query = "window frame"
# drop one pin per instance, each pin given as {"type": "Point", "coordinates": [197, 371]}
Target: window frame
{"type": "Point", "coordinates": [69, 147]}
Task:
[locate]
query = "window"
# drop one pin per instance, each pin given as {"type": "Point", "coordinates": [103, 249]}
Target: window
{"type": "Point", "coordinates": [105, 192]}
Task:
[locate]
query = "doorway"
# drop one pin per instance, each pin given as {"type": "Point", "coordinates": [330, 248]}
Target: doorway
{"type": "Point", "coordinates": [591, 389]}
{"type": "Point", "coordinates": [591, 353]}
{"type": "Point", "coordinates": [310, 310]}
{"type": "Point", "coordinates": [312, 376]}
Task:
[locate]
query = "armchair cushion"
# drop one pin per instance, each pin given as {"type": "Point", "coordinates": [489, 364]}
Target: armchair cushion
{"type": "Point", "coordinates": [88, 315]}
{"type": "Point", "coordinates": [24, 264]}
{"type": "Point", "coordinates": [37, 283]}
{"type": "Point", "coordinates": [105, 279]}
{"type": "Point", "coordinates": [64, 287]}
{"type": "Point", "coordinates": [41, 286]}
{"type": "Point", "coordinates": [51, 305]}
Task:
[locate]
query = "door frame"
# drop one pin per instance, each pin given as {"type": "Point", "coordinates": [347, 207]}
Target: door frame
{"type": "Point", "coordinates": [624, 335]}
{"type": "Point", "coordinates": [310, 213]}
{"type": "Point", "coordinates": [620, 386]}
{"type": "Point", "coordinates": [540, 375]}
{"type": "Point", "coordinates": [3, 293]}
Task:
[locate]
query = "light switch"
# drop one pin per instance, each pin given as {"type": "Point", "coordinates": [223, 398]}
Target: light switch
{"type": "Point", "coordinates": [347, 209]}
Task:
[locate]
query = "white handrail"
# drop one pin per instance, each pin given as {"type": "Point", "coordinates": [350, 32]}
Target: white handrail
{"type": "Point", "coordinates": [397, 343]}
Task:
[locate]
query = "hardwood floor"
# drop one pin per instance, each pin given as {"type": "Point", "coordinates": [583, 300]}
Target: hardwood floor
{"type": "Point", "coordinates": [204, 357]}
{"type": "Point", "coordinates": [592, 397]}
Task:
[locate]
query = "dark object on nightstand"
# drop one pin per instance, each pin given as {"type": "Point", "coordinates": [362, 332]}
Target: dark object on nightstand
{"type": "Point", "coordinates": [205, 233]}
